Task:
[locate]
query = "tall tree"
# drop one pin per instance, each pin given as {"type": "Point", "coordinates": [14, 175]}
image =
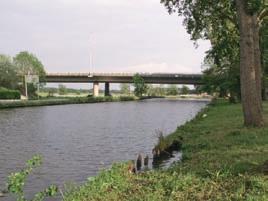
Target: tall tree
{"type": "Point", "coordinates": [28, 63]}
{"type": "Point", "coordinates": [140, 86]}
{"type": "Point", "coordinates": [8, 75]}
{"type": "Point", "coordinates": [264, 55]}
{"type": "Point", "coordinates": [250, 61]}
{"type": "Point", "coordinates": [208, 19]}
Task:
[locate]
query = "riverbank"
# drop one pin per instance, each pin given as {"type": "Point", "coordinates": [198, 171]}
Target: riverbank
{"type": "Point", "coordinates": [63, 101]}
{"type": "Point", "coordinates": [222, 160]}
{"type": "Point", "coordinates": [4, 104]}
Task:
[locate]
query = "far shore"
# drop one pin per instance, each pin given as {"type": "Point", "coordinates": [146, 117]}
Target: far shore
{"type": "Point", "coordinates": [4, 104]}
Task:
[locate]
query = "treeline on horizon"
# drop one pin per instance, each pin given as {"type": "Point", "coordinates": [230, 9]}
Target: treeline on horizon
{"type": "Point", "coordinates": [125, 89]}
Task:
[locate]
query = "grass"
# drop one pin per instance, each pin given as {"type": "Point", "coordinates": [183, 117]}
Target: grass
{"type": "Point", "coordinates": [222, 160]}
{"type": "Point", "coordinates": [63, 101]}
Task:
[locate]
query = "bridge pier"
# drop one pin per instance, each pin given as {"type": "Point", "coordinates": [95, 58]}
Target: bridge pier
{"type": "Point", "coordinates": [95, 89]}
{"type": "Point", "coordinates": [107, 89]}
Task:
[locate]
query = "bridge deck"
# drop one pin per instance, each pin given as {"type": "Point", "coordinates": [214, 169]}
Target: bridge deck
{"type": "Point", "coordinates": [152, 78]}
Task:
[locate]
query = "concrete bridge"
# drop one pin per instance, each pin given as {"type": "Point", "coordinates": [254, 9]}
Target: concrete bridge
{"type": "Point", "coordinates": [107, 78]}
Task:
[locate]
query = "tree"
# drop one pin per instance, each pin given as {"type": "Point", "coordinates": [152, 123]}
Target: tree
{"type": "Point", "coordinates": [223, 81]}
{"type": "Point", "coordinates": [140, 86]}
{"type": "Point", "coordinates": [218, 21]}
{"type": "Point", "coordinates": [172, 90]}
{"type": "Point", "coordinates": [28, 64]}
{"type": "Point", "coordinates": [125, 88]}
{"type": "Point", "coordinates": [155, 90]}
{"type": "Point", "coordinates": [250, 61]}
{"type": "Point", "coordinates": [264, 55]}
{"type": "Point", "coordinates": [8, 76]}
{"type": "Point", "coordinates": [185, 90]}
{"type": "Point", "coordinates": [62, 89]}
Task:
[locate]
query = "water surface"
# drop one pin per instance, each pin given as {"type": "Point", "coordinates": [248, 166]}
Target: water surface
{"type": "Point", "coordinates": [76, 141]}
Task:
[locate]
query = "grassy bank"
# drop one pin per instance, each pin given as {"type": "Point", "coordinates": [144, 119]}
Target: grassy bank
{"type": "Point", "coordinates": [63, 101]}
{"type": "Point", "coordinates": [222, 160]}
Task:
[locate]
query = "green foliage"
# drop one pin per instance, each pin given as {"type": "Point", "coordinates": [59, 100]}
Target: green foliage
{"type": "Point", "coordinates": [51, 92]}
{"type": "Point", "coordinates": [216, 21]}
{"type": "Point", "coordinates": [28, 63]}
{"type": "Point", "coordinates": [220, 162]}
{"type": "Point", "coordinates": [184, 90]}
{"type": "Point", "coordinates": [223, 81]}
{"type": "Point", "coordinates": [254, 6]}
{"type": "Point", "coordinates": [155, 90]}
{"type": "Point", "coordinates": [172, 90]}
{"type": "Point", "coordinates": [62, 89]}
{"type": "Point", "coordinates": [12, 72]}
{"type": "Point", "coordinates": [8, 75]}
{"type": "Point", "coordinates": [125, 89]}
{"type": "Point", "coordinates": [140, 86]}
{"type": "Point", "coordinates": [9, 94]}
{"type": "Point", "coordinates": [264, 45]}
{"type": "Point", "coordinates": [162, 143]}
{"type": "Point", "coordinates": [32, 91]}
{"type": "Point", "coordinates": [116, 184]}
{"type": "Point", "coordinates": [16, 182]}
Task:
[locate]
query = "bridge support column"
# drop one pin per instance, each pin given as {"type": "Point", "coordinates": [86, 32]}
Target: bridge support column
{"type": "Point", "coordinates": [107, 89]}
{"type": "Point", "coordinates": [95, 89]}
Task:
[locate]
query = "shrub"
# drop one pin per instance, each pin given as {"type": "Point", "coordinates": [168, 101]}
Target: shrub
{"type": "Point", "coordinates": [16, 182]}
{"type": "Point", "coordinates": [9, 94]}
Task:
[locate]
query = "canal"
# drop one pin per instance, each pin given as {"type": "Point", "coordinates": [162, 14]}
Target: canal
{"type": "Point", "coordinates": [77, 141]}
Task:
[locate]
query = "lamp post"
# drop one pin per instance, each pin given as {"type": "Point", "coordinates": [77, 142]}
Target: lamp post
{"type": "Point", "coordinates": [90, 54]}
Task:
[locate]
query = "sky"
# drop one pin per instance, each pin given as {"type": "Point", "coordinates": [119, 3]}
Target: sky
{"type": "Point", "coordinates": [121, 36]}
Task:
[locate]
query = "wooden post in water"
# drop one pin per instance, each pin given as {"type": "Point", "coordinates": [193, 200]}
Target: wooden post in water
{"type": "Point", "coordinates": [146, 161]}
{"type": "Point", "coordinates": [139, 162]}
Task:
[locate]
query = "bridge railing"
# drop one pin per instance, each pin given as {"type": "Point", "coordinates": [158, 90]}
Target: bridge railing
{"type": "Point", "coordinates": [124, 74]}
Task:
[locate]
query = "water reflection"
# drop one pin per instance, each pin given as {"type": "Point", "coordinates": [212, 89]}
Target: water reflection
{"type": "Point", "coordinates": [76, 141]}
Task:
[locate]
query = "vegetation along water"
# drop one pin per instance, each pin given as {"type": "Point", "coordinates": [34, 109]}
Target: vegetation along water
{"type": "Point", "coordinates": [222, 160]}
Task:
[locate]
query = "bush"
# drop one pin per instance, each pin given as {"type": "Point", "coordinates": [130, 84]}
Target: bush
{"type": "Point", "coordinates": [9, 94]}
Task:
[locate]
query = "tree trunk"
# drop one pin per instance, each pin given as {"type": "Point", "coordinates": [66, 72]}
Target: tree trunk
{"type": "Point", "coordinates": [251, 101]}
{"type": "Point", "coordinates": [263, 91]}
{"type": "Point", "coordinates": [257, 56]}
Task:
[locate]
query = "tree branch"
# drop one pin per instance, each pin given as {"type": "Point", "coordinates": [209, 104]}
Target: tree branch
{"type": "Point", "coordinates": [262, 15]}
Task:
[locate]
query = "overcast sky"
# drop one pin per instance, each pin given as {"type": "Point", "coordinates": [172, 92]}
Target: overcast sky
{"type": "Point", "coordinates": [123, 35]}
